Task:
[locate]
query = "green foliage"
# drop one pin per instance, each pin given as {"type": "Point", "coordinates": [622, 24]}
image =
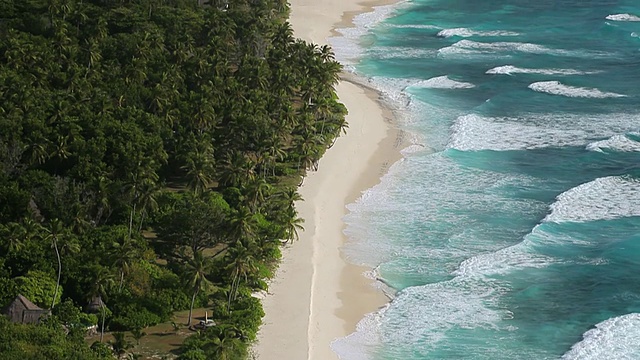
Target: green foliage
{"type": "Point", "coordinates": [133, 316]}
{"type": "Point", "coordinates": [120, 344]}
{"type": "Point", "coordinates": [145, 152]}
{"type": "Point", "coordinates": [42, 342]}
{"type": "Point", "coordinates": [193, 354]}
{"type": "Point", "coordinates": [138, 334]}
{"type": "Point", "coordinates": [101, 350]}
{"type": "Point", "coordinates": [38, 287]}
{"type": "Point", "coordinates": [8, 291]}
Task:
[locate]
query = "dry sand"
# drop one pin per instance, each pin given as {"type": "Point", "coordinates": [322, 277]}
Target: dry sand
{"type": "Point", "coordinates": [316, 296]}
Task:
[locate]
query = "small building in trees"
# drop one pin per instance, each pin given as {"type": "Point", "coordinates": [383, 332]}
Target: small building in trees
{"type": "Point", "coordinates": [95, 305]}
{"type": "Point", "coordinates": [21, 310]}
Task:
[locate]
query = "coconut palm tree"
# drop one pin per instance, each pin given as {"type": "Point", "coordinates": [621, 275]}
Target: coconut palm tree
{"type": "Point", "coordinates": [13, 234]}
{"type": "Point", "coordinates": [200, 168]}
{"type": "Point", "coordinates": [103, 281]}
{"type": "Point", "coordinates": [196, 270]}
{"type": "Point", "coordinates": [292, 226]}
{"type": "Point", "coordinates": [242, 226]}
{"type": "Point", "coordinates": [242, 263]}
{"type": "Point", "coordinates": [54, 233]}
{"type": "Point", "coordinates": [225, 340]}
{"type": "Point", "coordinates": [123, 255]}
{"type": "Point", "coordinates": [147, 200]}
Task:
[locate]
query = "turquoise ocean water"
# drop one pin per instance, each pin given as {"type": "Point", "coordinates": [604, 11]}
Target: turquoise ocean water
{"type": "Point", "coordinates": [511, 230]}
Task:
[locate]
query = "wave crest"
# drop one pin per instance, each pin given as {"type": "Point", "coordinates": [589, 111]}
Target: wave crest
{"type": "Point", "coordinates": [464, 32]}
{"type": "Point", "coordinates": [620, 143]}
{"type": "Point", "coordinates": [615, 338]}
{"type": "Point", "coordinates": [510, 69]}
{"type": "Point", "coordinates": [442, 82]}
{"type": "Point", "coordinates": [469, 47]}
{"type": "Point", "coordinates": [474, 133]}
{"type": "Point", "coordinates": [604, 198]}
{"type": "Point", "coordinates": [558, 88]}
{"type": "Point", "coordinates": [623, 17]}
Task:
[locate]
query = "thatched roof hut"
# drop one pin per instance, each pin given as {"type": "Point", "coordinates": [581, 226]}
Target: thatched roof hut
{"type": "Point", "coordinates": [95, 305]}
{"type": "Point", "coordinates": [23, 311]}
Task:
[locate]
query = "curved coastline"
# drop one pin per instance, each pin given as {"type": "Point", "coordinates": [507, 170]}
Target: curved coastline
{"type": "Point", "coordinates": [316, 296]}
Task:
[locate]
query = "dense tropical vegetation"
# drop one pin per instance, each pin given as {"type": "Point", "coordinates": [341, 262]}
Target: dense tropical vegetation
{"type": "Point", "coordinates": [150, 152]}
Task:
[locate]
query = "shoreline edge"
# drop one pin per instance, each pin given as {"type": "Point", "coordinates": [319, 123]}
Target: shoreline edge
{"type": "Point", "coordinates": [316, 296]}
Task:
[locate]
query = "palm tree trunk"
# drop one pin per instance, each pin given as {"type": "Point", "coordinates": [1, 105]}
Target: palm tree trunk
{"type": "Point", "coordinates": [102, 327]}
{"type": "Point", "coordinates": [193, 300]}
{"type": "Point", "coordinates": [142, 220]}
{"type": "Point", "coordinates": [121, 280]}
{"type": "Point", "coordinates": [131, 220]}
{"type": "Point", "coordinates": [55, 293]}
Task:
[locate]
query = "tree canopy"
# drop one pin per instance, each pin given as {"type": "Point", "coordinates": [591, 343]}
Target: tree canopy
{"type": "Point", "coordinates": [149, 157]}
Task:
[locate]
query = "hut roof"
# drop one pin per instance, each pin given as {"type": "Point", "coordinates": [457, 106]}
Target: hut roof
{"type": "Point", "coordinates": [95, 304]}
{"type": "Point", "coordinates": [22, 310]}
{"type": "Point", "coordinates": [26, 303]}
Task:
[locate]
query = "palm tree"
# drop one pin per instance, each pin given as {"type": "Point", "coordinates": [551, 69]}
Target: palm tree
{"type": "Point", "coordinates": [257, 190]}
{"type": "Point", "coordinates": [123, 255]}
{"type": "Point", "coordinates": [243, 226]}
{"type": "Point", "coordinates": [196, 270]}
{"type": "Point", "coordinates": [103, 280]}
{"type": "Point", "coordinates": [14, 235]}
{"type": "Point", "coordinates": [293, 225]}
{"type": "Point", "coordinates": [200, 168]}
{"type": "Point", "coordinates": [242, 264]}
{"type": "Point", "coordinates": [225, 340]}
{"type": "Point", "coordinates": [120, 343]}
{"type": "Point", "coordinates": [137, 335]}
{"type": "Point", "coordinates": [53, 232]}
{"type": "Point", "coordinates": [147, 200]}
{"type": "Point", "coordinates": [143, 178]}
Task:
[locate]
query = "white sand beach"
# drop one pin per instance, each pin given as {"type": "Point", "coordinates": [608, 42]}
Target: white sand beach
{"type": "Point", "coordinates": [316, 296]}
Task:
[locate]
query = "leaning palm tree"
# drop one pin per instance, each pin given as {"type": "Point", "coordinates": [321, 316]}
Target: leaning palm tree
{"type": "Point", "coordinates": [242, 264]}
{"type": "Point", "coordinates": [196, 270]}
{"type": "Point", "coordinates": [147, 200]}
{"type": "Point", "coordinates": [53, 232]}
{"type": "Point", "coordinates": [293, 226]}
{"type": "Point", "coordinates": [103, 281]}
{"type": "Point", "coordinates": [123, 254]}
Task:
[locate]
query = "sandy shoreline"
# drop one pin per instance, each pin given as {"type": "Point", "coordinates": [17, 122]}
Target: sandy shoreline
{"type": "Point", "coordinates": [316, 295]}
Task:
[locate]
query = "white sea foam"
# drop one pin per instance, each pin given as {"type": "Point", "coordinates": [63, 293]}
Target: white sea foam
{"type": "Point", "coordinates": [619, 143]}
{"type": "Point", "coordinates": [424, 314]}
{"type": "Point", "coordinates": [398, 52]}
{"type": "Point", "coordinates": [532, 131]}
{"type": "Point", "coordinates": [359, 345]}
{"type": "Point", "coordinates": [472, 133]}
{"type": "Point", "coordinates": [615, 338]}
{"type": "Point", "coordinates": [347, 46]}
{"type": "Point", "coordinates": [442, 82]}
{"type": "Point", "coordinates": [510, 69]}
{"type": "Point", "coordinates": [623, 17]}
{"type": "Point", "coordinates": [558, 88]}
{"type": "Point", "coordinates": [414, 26]}
{"type": "Point", "coordinates": [601, 199]}
{"type": "Point", "coordinates": [468, 47]}
{"type": "Point", "coordinates": [391, 89]}
{"type": "Point", "coordinates": [504, 261]}
{"type": "Point", "coordinates": [464, 32]}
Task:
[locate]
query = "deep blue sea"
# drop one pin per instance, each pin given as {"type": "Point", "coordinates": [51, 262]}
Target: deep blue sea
{"type": "Point", "coordinates": [511, 229]}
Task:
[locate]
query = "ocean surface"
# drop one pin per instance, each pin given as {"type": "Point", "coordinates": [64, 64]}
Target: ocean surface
{"type": "Point", "coordinates": [511, 229]}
